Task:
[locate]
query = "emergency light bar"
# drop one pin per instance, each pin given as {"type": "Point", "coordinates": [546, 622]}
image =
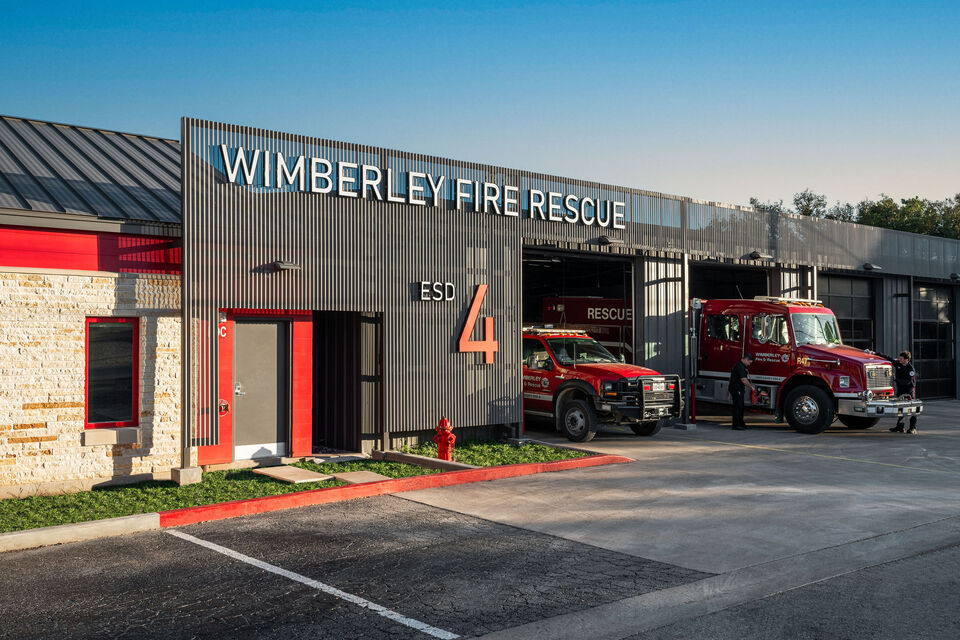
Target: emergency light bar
{"type": "Point", "coordinates": [547, 331]}
{"type": "Point", "coordinates": [788, 300]}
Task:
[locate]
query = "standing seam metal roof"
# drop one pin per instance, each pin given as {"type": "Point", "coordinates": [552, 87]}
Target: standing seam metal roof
{"type": "Point", "coordinates": [59, 168]}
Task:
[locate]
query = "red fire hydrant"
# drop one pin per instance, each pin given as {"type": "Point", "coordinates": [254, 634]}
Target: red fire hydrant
{"type": "Point", "coordinates": [444, 440]}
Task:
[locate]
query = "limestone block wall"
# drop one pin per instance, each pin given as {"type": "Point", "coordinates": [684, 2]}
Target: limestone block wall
{"type": "Point", "coordinates": [42, 376]}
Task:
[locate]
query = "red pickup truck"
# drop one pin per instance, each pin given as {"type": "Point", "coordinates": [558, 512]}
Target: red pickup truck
{"type": "Point", "coordinates": [570, 377]}
{"type": "Point", "coordinates": [810, 377]}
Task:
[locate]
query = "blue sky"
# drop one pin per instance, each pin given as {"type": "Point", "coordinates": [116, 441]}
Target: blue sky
{"type": "Point", "coordinates": [714, 100]}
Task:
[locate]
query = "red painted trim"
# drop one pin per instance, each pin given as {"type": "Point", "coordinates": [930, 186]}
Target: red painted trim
{"type": "Point", "coordinates": [223, 452]}
{"type": "Point", "coordinates": [88, 251]}
{"type": "Point", "coordinates": [135, 413]}
{"type": "Point", "coordinates": [236, 508]}
{"type": "Point", "coordinates": [301, 387]}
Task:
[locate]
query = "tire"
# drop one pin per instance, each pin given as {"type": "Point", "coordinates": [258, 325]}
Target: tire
{"type": "Point", "coordinates": [646, 428]}
{"type": "Point", "coordinates": [809, 409]}
{"type": "Point", "coordinates": [578, 421]}
{"type": "Point", "coordinates": [857, 422]}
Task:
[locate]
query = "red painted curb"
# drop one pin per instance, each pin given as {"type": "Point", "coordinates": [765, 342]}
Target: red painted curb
{"type": "Point", "coordinates": [219, 511]}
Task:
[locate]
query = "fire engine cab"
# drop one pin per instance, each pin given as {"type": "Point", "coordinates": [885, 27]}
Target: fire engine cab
{"type": "Point", "coordinates": [570, 377]}
{"type": "Point", "coordinates": [810, 377]}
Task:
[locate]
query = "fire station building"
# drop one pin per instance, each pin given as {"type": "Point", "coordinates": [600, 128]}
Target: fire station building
{"type": "Point", "coordinates": [243, 294]}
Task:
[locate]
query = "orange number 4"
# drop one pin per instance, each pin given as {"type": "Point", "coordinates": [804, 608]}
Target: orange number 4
{"type": "Point", "coordinates": [488, 346]}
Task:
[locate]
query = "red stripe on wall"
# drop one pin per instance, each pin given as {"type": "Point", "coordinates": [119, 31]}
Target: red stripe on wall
{"type": "Point", "coordinates": [88, 251]}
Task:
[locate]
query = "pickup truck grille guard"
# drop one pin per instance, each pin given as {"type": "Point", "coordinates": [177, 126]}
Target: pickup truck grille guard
{"type": "Point", "coordinates": [659, 397]}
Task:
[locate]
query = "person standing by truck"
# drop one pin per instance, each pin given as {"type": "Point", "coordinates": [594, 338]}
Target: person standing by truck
{"type": "Point", "coordinates": [904, 383]}
{"type": "Point", "coordinates": [739, 383]}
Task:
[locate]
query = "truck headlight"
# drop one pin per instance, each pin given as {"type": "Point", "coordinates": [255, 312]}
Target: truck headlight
{"type": "Point", "coordinates": [844, 381]}
{"type": "Point", "coordinates": [609, 389]}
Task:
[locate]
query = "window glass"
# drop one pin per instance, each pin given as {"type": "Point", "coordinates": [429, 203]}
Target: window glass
{"type": "Point", "coordinates": [111, 363]}
{"type": "Point", "coordinates": [579, 351]}
{"type": "Point", "coordinates": [773, 329]}
{"type": "Point", "coordinates": [723, 327]}
{"type": "Point", "coordinates": [815, 328]}
{"type": "Point", "coordinates": [533, 347]}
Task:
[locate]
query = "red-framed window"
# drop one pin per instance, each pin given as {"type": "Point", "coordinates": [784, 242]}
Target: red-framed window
{"type": "Point", "coordinates": [112, 384]}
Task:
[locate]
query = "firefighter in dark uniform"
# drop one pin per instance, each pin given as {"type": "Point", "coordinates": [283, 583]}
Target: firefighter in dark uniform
{"type": "Point", "coordinates": [904, 383]}
{"type": "Point", "coordinates": [739, 383]}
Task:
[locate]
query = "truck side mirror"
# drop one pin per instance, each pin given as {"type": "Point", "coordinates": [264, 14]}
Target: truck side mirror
{"type": "Point", "coordinates": [623, 358]}
{"type": "Point", "coordinates": [546, 365]}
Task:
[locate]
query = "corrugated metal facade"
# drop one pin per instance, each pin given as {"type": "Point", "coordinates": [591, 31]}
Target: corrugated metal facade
{"type": "Point", "coordinates": [355, 256]}
{"type": "Point", "coordinates": [364, 255]}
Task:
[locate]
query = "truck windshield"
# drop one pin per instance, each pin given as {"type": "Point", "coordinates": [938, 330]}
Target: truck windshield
{"type": "Point", "coordinates": [815, 328]}
{"type": "Point", "coordinates": [579, 351]}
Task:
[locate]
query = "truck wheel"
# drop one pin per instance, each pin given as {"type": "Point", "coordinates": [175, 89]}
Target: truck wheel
{"type": "Point", "coordinates": [858, 422]}
{"type": "Point", "coordinates": [646, 428]}
{"type": "Point", "coordinates": [809, 409]}
{"type": "Point", "coordinates": [578, 421]}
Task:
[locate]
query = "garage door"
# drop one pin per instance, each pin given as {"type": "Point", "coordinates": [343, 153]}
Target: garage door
{"type": "Point", "coordinates": [851, 299]}
{"type": "Point", "coordinates": [933, 341]}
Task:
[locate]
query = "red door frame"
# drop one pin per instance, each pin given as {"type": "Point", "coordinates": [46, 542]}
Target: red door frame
{"type": "Point", "coordinates": [301, 383]}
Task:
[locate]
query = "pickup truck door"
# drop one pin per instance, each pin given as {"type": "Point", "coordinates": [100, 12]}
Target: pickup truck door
{"type": "Point", "coordinates": [538, 383]}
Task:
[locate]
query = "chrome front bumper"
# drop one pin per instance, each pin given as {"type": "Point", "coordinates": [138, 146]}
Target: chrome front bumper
{"type": "Point", "coordinates": [879, 408]}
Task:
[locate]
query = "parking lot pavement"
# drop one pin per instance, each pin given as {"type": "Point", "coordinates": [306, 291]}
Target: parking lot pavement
{"type": "Point", "coordinates": [307, 573]}
{"type": "Point", "coordinates": [911, 598]}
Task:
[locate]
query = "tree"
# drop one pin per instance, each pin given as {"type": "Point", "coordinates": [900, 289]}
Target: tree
{"type": "Point", "coordinates": [916, 215]}
{"type": "Point", "coordinates": [810, 204]}
{"type": "Point", "coordinates": [845, 212]}
{"type": "Point", "coordinates": [769, 206]}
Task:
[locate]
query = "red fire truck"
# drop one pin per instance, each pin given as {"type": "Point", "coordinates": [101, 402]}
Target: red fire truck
{"type": "Point", "coordinates": [808, 375]}
{"type": "Point", "coordinates": [570, 377]}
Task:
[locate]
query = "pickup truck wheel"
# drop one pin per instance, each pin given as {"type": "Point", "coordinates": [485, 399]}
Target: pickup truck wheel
{"type": "Point", "coordinates": [809, 409]}
{"type": "Point", "coordinates": [646, 428]}
{"type": "Point", "coordinates": [858, 422]}
{"type": "Point", "coordinates": [578, 421]}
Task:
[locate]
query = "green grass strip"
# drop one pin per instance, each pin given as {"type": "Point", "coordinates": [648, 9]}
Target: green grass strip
{"type": "Point", "coordinates": [224, 486]}
{"type": "Point", "coordinates": [491, 454]}
{"type": "Point", "coordinates": [145, 497]}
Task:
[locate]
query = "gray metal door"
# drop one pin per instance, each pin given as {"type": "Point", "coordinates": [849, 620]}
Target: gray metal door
{"type": "Point", "coordinates": [261, 393]}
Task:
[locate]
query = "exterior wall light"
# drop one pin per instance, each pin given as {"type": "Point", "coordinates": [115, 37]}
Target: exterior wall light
{"type": "Point", "coordinates": [280, 265]}
{"type": "Point", "coordinates": [955, 276]}
{"type": "Point", "coordinates": [869, 266]}
{"type": "Point", "coordinates": [605, 240]}
{"type": "Point", "coordinates": [758, 255]}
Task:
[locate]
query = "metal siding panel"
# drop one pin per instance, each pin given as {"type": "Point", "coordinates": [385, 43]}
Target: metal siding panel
{"type": "Point", "coordinates": [663, 307]}
{"type": "Point", "coordinates": [894, 333]}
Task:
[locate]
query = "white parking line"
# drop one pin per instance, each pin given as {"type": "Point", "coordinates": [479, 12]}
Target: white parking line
{"type": "Point", "coordinates": [337, 593]}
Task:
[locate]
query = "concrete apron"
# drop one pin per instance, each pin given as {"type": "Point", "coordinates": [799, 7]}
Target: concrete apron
{"type": "Point", "coordinates": [767, 509]}
{"type": "Point", "coordinates": [649, 611]}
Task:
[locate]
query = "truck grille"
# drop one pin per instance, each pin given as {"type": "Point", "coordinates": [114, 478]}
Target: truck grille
{"type": "Point", "coordinates": [879, 376]}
